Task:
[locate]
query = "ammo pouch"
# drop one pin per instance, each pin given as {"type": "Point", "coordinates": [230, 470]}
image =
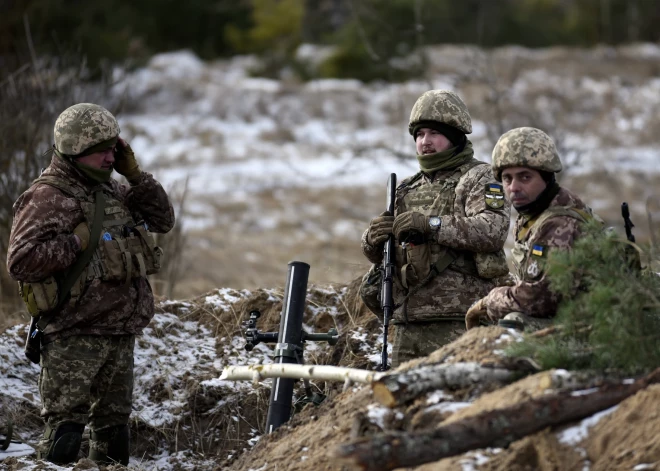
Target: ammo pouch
{"type": "Point", "coordinates": [413, 262]}
{"type": "Point", "coordinates": [134, 254]}
{"type": "Point", "coordinates": [40, 297]}
{"type": "Point", "coordinates": [491, 264]}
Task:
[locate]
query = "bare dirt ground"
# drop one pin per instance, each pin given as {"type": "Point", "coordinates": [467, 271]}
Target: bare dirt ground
{"type": "Point", "coordinates": [624, 439]}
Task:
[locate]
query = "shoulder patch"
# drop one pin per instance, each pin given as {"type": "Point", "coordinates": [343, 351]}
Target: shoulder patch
{"type": "Point", "coordinates": [494, 195]}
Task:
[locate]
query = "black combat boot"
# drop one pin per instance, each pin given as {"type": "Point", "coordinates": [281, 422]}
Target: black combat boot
{"type": "Point", "coordinates": [110, 445]}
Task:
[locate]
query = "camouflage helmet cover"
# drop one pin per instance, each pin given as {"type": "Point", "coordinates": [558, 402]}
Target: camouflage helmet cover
{"type": "Point", "coordinates": [443, 106]}
{"type": "Point", "coordinates": [82, 126]}
{"type": "Point", "coordinates": [525, 147]}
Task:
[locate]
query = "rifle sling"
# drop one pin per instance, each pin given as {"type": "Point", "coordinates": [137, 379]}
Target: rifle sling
{"type": "Point", "coordinates": [81, 263]}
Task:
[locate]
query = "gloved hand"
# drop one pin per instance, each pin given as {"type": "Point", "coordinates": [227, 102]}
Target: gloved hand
{"type": "Point", "coordinates": [82, 232]}
{"type": "Point", "coordinates": [125, 163]}
{"type": "Point", "coordinates": [410, 221]}
{"type": "Point", "coordinates": [379, 229]}
{"type": "Point", "coordinates": [476, 312]}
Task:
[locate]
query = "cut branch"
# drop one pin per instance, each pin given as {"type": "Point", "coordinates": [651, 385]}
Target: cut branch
{"type": "Point", "coordinates": [398, 388]}
{"type": "Point", "coordinates": [493, 428]}
{"type": "Point", "coordinates": [319, 372]}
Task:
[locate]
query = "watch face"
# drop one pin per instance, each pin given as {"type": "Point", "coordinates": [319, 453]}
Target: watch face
{"type": "Point", "coordinates": [434, 222]}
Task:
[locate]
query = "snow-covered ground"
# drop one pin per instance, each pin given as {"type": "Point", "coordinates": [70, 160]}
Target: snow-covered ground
{"type": "Point", "coordinates": [178, 362]}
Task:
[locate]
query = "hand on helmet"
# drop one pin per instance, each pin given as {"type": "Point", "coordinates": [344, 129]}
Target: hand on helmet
{"type": "Point", "coordinates": [379, 229]}
{"type": "Point", "coordinates": [125, 162]}
{"type": "Point", "coordinates": [410, 221]}
{"type": "Point", "coordinates": [476, 312]}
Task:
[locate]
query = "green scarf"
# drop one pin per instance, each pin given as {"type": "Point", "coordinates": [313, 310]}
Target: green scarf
{"type": "Point", "coordinates": [97, 175]}
{"type": "Point", "coordinates": [445, 160]}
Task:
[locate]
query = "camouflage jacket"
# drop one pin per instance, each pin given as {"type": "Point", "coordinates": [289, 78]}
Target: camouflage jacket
{"type": "Point", "coordinates": [42, 244]}
{"type": "Point", "coordinates": [531, 294]}
{"type": "Point", "coordinates": [469, 226]}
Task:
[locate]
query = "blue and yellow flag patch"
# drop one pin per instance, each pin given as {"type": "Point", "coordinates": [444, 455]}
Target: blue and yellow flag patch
{"type": "Point", "coordinates": [494, 195]}
{"type": "Point", "coordinates": [538, 250]}
{"type": "Point", "coordinates": [494, 188]}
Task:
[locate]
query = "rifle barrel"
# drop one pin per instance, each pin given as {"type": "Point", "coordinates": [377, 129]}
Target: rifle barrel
{"type": "Point", "coordinates": [387, 294]}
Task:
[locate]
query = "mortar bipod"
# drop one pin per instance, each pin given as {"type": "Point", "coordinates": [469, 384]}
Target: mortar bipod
{"type": "Point", "coordinates": [289, 350]}
{"type": "Point", "coordinates": [289, 345]}
{"type": "Point", "coordinates": [253, 337]}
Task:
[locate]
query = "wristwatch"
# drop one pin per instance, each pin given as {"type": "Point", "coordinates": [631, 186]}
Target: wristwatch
{"type": "Point", "coordinates": [435, 222]}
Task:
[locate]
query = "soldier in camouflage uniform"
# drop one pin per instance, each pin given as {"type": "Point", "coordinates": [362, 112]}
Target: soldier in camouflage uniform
{"type": "Point", "coordinates": [549, 218]}
{"type": "Point", "coordinates": [450, 224]}
{"type": "Point", "coordinates": [87, 344]}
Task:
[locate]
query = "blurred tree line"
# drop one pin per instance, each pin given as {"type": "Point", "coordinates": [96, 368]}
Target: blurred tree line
{"type": "Point", "coordinates": [365, 31]}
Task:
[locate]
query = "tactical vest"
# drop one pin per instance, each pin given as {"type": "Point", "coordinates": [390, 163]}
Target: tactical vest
{"type": "Point", "coordinates": [528, 264]}
{"type": "Point", "coordinates": [418, 262]}
{"type": "Point", "coordinates": [126, 250]}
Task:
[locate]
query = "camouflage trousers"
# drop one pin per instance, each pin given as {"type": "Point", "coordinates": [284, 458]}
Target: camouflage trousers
{"type": "Point", "coordinates": [87, 379]}
{"type": "Point", "coordinates": [422, 338]}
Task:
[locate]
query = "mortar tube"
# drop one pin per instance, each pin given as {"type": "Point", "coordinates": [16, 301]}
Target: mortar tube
{"type": "Point", "coordinates": [289, 343]}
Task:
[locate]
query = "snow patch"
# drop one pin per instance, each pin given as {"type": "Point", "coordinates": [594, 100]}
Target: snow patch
{"type": "Point", "coordinates": [575, 434]}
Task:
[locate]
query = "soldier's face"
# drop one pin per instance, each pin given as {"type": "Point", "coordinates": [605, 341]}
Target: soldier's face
{"type": "Point", "coordinates": [430, 141]}
{"type": "Point", "coordinates": [101, 160]}
{"type": "Point", "coordinates": [522, 185]}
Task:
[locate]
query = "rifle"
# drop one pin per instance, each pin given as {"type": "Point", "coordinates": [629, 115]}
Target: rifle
{"type": "Point", "coordinates": [627, 223]}
{"type": "Point", "coordinates": [631, 253]}
{"type": "Point", "coordinates": [64, 284]}
{"type": "Point", "coordinates": [387, 293]}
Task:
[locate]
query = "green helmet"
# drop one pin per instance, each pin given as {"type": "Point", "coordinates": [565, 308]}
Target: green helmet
{"type": "Point", "coordinates": [442, 106]}
{"type": "Point", "coordinates": [83, 126]}
{"type": "Point", "coordinates": [525, 147]}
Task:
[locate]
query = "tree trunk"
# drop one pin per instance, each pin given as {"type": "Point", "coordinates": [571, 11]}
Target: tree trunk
{"type": "Point", "coordinates": [398, 388]}
{"type": "Point", "coordinates": [494, 428]}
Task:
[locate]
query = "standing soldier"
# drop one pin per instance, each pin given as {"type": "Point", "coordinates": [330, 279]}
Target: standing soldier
{"type": "Point", "coordinates": [450, 224]}
{"type": "Point", "coordinates": [81, 250]}
{"type": "Point", "coordinates": [549, 218]}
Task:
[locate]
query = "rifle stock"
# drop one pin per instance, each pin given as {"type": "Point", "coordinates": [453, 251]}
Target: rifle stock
{"type": "Point", "coordinates": [631, 253]}
{"type": "Point", "coordinates": [625, 213]}
{"type": "Point", "coordinates": [387, 294]}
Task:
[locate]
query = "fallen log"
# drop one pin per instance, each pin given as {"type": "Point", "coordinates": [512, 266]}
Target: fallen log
{"type": "Point", "coordinates": [546, 381]}
{"type": "Point", "coordinates": [256, 373]}
{"type": "Point", "coordinates": [493, 428]}
{"type": "Point", "coordinates": [398, 388]}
